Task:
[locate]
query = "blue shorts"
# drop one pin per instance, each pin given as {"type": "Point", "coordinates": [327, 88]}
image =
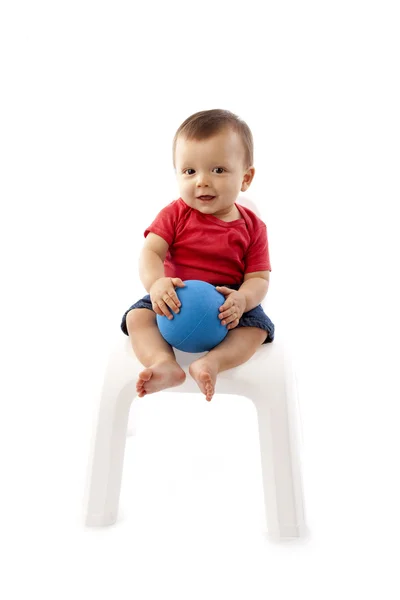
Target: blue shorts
{"type": "Point", "coordinates": [255, 317]}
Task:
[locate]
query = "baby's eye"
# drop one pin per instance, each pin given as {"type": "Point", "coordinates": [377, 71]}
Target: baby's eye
{"type": "Point", "coordinates": [221, 169]}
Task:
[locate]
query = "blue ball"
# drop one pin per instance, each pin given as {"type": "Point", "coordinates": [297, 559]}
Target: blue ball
{"type": "Point", "coordinates": [196, 328]}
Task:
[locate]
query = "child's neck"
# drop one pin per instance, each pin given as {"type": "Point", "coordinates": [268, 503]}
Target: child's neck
{"type": "Point", "coordinates": [232, 216]}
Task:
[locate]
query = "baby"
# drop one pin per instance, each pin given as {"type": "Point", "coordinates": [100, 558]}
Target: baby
{"type": "Point", "coordinates": [204, 235]}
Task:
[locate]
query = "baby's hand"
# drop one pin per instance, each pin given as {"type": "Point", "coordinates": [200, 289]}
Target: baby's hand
{"type": "Point", "coordinates": [163, 295]}
{"type": "Point", "coordinates": [233, 307]}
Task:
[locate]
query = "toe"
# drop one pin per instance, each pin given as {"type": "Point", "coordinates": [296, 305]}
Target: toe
{"type": "Point", "coordinates": [145, 375]}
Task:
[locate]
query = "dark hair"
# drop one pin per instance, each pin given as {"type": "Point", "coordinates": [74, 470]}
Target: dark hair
{"type": "Point", "coordinates": [206, 123]}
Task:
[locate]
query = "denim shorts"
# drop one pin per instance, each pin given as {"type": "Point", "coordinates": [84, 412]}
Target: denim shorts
{"type": "Point", "coordinates": [255, 317]}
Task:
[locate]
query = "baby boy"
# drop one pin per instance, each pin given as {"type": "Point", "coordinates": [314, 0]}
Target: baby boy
{"type": "Point", "coordinates": [204, 235]}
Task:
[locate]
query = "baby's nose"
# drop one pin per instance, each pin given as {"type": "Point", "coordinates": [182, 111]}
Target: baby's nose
{"type": "Point", "coordinates": [201, 179]}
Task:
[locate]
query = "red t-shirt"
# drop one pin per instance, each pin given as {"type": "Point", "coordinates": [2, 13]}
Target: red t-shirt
{"type": "Point", "coordinates": [206, 248]}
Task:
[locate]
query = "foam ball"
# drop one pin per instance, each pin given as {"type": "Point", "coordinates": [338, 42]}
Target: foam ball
{"type": "Point", "coordinates": [196, 328]}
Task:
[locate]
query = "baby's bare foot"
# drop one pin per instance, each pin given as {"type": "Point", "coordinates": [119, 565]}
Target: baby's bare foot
{"type": "Point", "coordinates": [205, 374]}
{"type": "Point", "coordinates": [161, 375]}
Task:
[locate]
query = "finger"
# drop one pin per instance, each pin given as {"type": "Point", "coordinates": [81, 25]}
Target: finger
{"type": "Point", "coordinates": [156, 309]}
{"type": "Point", "coordinates": [176, 301]}
{"type": "Point", "coordinates": [170, 301]}
{"type": "Point", "coordinates": [224, 309]}
{"type": "Point", "coordinates": [164, 309]}
{"type": "Point", "coordinates": [173, 302]}
{"type": "Point", "coordinates": [228, 313]}
{"type": "Point", "coordinates": [234, 324]}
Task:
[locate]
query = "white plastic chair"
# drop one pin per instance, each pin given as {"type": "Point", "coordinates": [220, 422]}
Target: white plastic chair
{"type": "Point", "coordinates": [267, 378]}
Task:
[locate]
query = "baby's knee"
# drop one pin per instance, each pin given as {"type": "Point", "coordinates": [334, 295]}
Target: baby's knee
{"type": "Point", "coordinates": [137, 317]}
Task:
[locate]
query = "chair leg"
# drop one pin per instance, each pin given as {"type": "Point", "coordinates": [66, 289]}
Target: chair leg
{"type": "Point", "coordinates": [280, 460]}
{"type": "Point", "coordinates": [134, 417]}
{"type": "Point", "coordinates": [108, 445]}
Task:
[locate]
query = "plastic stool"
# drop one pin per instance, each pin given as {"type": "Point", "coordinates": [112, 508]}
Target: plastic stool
{"type": "Point", "coordinates": [267, 378]}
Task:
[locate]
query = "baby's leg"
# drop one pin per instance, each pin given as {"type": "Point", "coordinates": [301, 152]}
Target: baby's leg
{"type": "Point", "coordinates": [236, 348]}
{"type": "Point", "coordinates": [153, 352]}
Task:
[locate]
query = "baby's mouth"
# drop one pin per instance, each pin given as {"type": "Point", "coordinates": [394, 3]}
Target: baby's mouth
{"type": "Point", "coordinates": [206, 198]}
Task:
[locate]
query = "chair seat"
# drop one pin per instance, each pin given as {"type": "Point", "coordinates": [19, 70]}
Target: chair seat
{"type": "Point", "coordinates": [240, 380]}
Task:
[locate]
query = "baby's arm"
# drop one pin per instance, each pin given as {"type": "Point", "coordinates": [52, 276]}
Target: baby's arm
{"type": "Point", "coordinates": [151, 268]}
{"type": "Point", "coordinates": [255, 288]}
{"type": "Point", "coordinates": [151, 260]}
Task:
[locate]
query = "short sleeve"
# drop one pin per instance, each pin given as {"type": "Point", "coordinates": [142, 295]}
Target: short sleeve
{"type": "Point", "coordinates": [257, 255]}
{"type": "Point", "coordinates": [164, 224]}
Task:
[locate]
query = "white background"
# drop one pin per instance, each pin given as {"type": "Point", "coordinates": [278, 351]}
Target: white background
{"type": "Point", "coordinates": [91, 96]}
